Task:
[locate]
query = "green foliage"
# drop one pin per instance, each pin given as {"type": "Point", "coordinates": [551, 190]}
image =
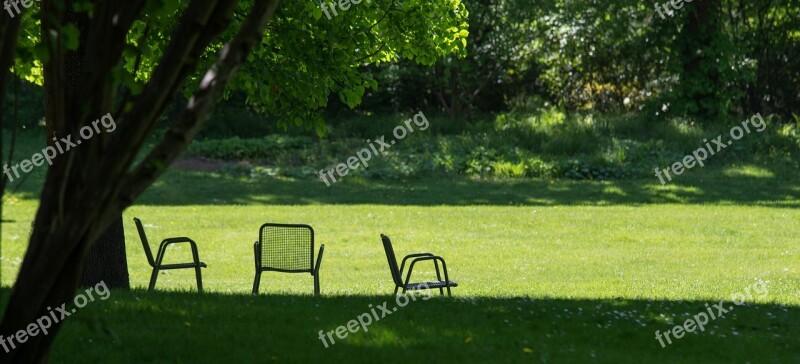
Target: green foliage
{"type": "Point", "coordinates": [549, 144]}
{"type": "Point", "coordinates": [248, 149]}
{"type": "Point", "coordinates": [368, 126]}
{"type": "Point", "coordinates": [610, 56]}
{"type": "Point", "coordinates": [302, 60]}
{"type": "Point", "coordinates": [731, 58]}
{"type": "Point", "coordinates": [498, 59]}
{"type": "Point", "coordinates": [31, 104]}
{"type": "Point", "coordinates": [294, 79]}
{"type": "Point", "coordinates": [234, 118]}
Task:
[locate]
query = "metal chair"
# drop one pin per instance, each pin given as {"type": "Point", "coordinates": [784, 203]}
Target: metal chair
{"type": "Point", "coordinates": [287, 248]}
{"type": "Point", "coordinates": [417, 257]}
{"type": "Point", "coordinates": [162, 249]}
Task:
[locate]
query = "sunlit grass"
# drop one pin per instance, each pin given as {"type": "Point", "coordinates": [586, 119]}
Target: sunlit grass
{"type": "Point", "coordinates": [549, 270]}
{"type": "Point", "coordinates": [751, 171]}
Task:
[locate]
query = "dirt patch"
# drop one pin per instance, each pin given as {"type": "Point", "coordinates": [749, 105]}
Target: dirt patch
{"type": "Point", "coordinates": [199, 164]}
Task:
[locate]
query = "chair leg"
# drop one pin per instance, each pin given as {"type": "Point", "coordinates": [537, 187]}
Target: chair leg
{"type": "Point", "coordinates": [316, 284]}
{"type": "Point", "coordinates": [197, 268]}
{"type": "Point", "coordinates": [256, 282]}
{"type": "Point", "coordinates": [198, 273]}
{"type": "Point", "coordinates": [395, 289]}
{"type": "Point", "coordinates": [448, 292]}
{"type": "Point", "coordinates": [439, 277]}
{"type": "Point", "coordinates": [153, 277]}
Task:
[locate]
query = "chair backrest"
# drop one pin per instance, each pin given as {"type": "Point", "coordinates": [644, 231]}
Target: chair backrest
{"type": "Point", "coordinates": [387, 247]}
{"type": "Point", "coordinates": [145, 244]}
{"type": "Point", "coordinates": [287, 247]}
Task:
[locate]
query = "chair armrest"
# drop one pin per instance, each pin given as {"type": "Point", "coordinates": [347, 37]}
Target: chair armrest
{"type": "Point", "coordinates": [169, 241]}
{"type": "Point", "coordinates": [319, 258]}
{"type": "Point", "coordinates": [407, 257]}
{"type": "Point", "coordinates": [436, 259]}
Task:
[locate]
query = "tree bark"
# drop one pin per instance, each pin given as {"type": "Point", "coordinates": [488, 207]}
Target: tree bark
{"type": "Point", "coordinates": [106, 260]}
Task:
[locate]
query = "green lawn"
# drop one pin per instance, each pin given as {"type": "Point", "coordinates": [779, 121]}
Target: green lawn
{"type": "Point", "coordinates": [549, 271]}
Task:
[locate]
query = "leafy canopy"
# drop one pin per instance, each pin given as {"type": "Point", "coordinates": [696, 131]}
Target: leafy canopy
{"type": "Point", "coordinates": [304, 57]}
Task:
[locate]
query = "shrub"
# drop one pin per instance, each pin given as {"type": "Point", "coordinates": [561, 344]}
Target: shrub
{"type": "Point", "coordinates": [573, 147]}
{"type": "Point", "coordinates": [262, 149]}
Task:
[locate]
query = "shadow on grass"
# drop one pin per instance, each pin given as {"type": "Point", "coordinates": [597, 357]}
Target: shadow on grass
{"type": "Point", "coordinates": [138, 326]}
{"type": "Point", "coordinates": [177, 187]}
{"type": "Point", "coordinates": [185, 188]}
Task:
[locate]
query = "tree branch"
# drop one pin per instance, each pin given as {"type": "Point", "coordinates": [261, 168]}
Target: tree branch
{"type": "Point", "coordinates": [201, 104]}
{"type": "Point", "coordinates": [201, 22]}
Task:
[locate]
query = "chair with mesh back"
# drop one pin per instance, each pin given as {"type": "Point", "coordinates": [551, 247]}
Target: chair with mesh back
{"type": "Point", "coordinates": [397, 273]}
{"type": "Point", "coordinates": [287, 248]}
{"type": "Point", "coordinates": [158, 264]}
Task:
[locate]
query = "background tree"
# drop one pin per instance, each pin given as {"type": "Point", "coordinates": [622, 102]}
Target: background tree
{"type": "Point", "coordinates": [704, 57]}
{"type": "Point", "coordinates": [705, 62]}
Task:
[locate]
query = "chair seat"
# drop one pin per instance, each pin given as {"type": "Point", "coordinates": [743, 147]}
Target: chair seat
{"type": "Point", "coordinates": [435, 284]}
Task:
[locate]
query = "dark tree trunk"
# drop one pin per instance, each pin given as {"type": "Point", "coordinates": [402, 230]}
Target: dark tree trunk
{"type": "Point", "coordinates": [700, 78]}
{"type": "Point", "coordinates": [106, 260]}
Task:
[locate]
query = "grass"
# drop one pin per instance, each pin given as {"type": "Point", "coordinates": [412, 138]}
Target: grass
{"type": "Point", "coordinates": [550, 270]}
{"type": "Point", "coordinates": [179, 327]}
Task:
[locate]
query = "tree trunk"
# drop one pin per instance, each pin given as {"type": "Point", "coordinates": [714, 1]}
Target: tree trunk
{"type": "Point", "coordinates": [65, 194]}
{"type": "Point", "coordinates": [106, 260]}
{"type": "Point", "coordinates": [701, 79]}
{"type": "Point", "coordinates": [86, 189]}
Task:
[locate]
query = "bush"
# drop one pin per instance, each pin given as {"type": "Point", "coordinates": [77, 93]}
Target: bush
{"type": "Point", "coordinates": [263, 149]}
{"type": "Point", "coordinates": [548, 144]}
